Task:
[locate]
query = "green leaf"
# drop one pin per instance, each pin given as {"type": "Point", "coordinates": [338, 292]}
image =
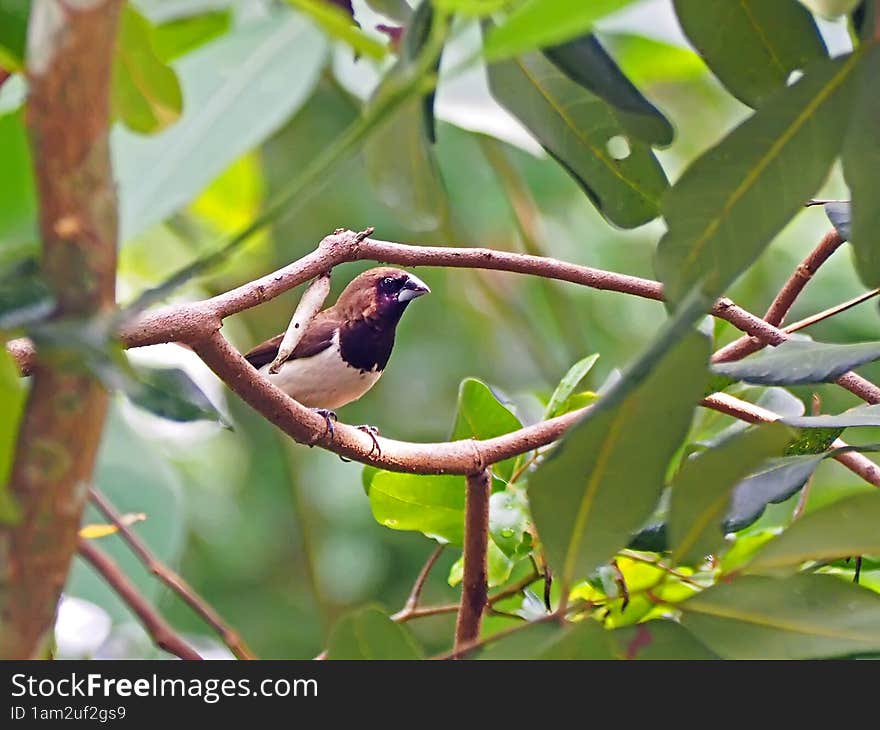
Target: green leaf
{"type": "Point", "coordinates": [398, 10]}
{"type": "Point", "coordinates": [171, 393]}
{"type": "Point", "coordinates": [508, 519]}
{"type": "Point", "coordinates": [18, 213]}
{"type": "Point", "coordinates": [498, 568]}
{"type": "Point", "coordinates": [270, 65]}
{"type": "Point", "coordinates": [481, 415]}
{"type": "Point", "coordinates": [649, 61]}
{"type": "Point", "coordinates": [775, 483]}
{"type": "Point", "coordinates": [864, 415]}
{"type": "Point", "coordinates": [752, 46]}
{"type": "Point", "coordinates": [801, 617]}
{"type": "Point", "coordinates": [729, 203]}
{"type": "Point", "coordinates": [586, 62]}
{"type": "Point", "coordinates": [13, 33]}
{"type": "Point", "coordinates": [12, 398]}
{"type": "Point", "coordinates": [398, 156]}
{"type": "Point", "coordinates": [339, 25]}
{"type": "Point", "coordinates": [797, 362]}
{"type": "Point", "coordinates": [540, 23]}
{"type": "Point", "coordinates": [180, 36]}
{"type": "Point", "coordinates": [832, 8]}
{"type": "Point", "coordinates": [602, 482]}
{"type": "Point", "coordinates": [433, 505]}
{"type": "Point", "coordinates": [579, 129]}
{"type": "Point", "coordinates": [146, 94]}
{"type": "Point", "coordinates": [571, 380]}
{"type": "Point", "coordinates": [701, 491]}
{"type": "Point", "coordinates": [845, 528]}
{"type": "Point", "coordinates": [861, 157]}
{"type": "Point", "coordinates": [368, 633]}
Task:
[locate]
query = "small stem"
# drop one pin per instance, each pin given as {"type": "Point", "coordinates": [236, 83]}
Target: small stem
{"type": "Point", "coordinates": [229, 635]}
{"type": "Point", "coordinates": [830, 312]}
{"type": "Point", "coordinates": [474, 585]}
{"type": "Point", "coordinates": [159, 630]}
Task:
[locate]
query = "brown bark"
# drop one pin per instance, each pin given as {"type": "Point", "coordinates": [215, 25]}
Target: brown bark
{"type": "Point", "coordinates": [69, 66]}
{"type": "Point", "coordinates": [474, 583]}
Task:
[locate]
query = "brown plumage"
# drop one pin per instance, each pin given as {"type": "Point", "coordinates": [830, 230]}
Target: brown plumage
{"type": "Point", "coordinates": [345, 347]}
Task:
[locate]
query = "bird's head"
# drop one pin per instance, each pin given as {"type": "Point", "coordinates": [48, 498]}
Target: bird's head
{"type": "Point", "coordinates": [382, 293]}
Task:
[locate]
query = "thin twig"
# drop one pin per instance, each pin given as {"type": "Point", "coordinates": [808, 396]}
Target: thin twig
{"type": "Point", "coordinates": [474, 584]}
{"type": "Point", "coordinates": [159, 630]}
{"type": "Point", "coordinates": [415, 594]}
{"type": "Point", "coordinates": [786, 297]}
{"type": "Point", "coordinates": [165, 574]}
{"type": "Point", "coordinates": [830, 312]}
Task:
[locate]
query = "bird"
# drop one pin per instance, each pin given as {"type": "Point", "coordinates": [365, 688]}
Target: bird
{"type": "Point", "coordinates": [345, 348]}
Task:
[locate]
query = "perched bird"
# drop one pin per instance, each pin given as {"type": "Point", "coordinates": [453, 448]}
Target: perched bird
{"type": "Point", "coordinates": [345, 347]}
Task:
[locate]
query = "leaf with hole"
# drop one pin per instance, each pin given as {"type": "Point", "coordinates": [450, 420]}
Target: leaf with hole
{"type": "Point", "coordinates": [601, 484]}
{"type": "Point", "coordinates": [729, 204]}
{"type": "Point", "coordinates": [369, 633]}
{"type": "Point", "coordinates": [621, 176]}
{"type": "Point", "coordinates": [701, 491]}
{"type": "Point", "coordinates": [800, 617]}
{"type": "Point", "coordinates": [586, 62]}
{"type": "Point", "coordinates": [842, 529]}
{"type": "Point", "coordinates": [799, 362]}
{"type": "Point", "coordinates": [752, 46]}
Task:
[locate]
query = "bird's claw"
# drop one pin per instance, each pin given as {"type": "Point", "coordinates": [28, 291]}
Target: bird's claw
{"type": "Point", "coordinates": [372, 432]}
{"type": "Point", "coordinates": [329, 417]}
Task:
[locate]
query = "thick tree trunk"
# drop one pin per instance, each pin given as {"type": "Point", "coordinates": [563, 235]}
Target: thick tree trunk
{"type": "Point", "coordinates": [69, 64]}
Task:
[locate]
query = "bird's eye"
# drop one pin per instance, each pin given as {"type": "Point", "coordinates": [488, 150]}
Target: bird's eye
{"type": "Point", "coordinates": [387, 282]}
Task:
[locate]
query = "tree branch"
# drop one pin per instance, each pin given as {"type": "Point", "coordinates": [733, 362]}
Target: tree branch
{"type": "Point", "coordinates": [159, 630]}
{"type": "Point", "coordinates": [474, 584]}
{"type": "Point", "coordinates": [69, 59]}
{"type": "Point", "coordinates": [412, 602]}
{"type": "Point", "coordinates": [174, 581]}
{"type": "Point", "coordinates": [784, 300]}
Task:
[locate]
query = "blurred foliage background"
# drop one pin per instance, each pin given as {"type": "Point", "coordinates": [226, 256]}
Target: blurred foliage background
{"type": "Point", "coordinates": [278, 537]}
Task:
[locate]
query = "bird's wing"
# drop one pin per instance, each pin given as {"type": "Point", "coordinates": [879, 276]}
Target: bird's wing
{"type": "Point", "coordinates": [318, 337]}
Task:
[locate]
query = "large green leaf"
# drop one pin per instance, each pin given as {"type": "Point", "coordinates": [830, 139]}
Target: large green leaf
{"type": "Point", "coordinates": [730, 202]}
{"type": "Point", "coordinates": [842, 529]}
{"type": "Point", "coordinates": [13, 33]}
{"type": "Point", "coordinates": [508, 519]}
{"type": "Point", "coordinates": [801, 617]}
{"type": "Point", "coordinates": [861, 158]}
{"type": "Point", "coordinates": [146, 93]}
{"type": "Point", "coordinates": [368, 633]}
{"type": "Point", "coordinates": [797, 362]}
{"type": "Point", "coordinates": [18, 211]}
{"type": "Point", "coordinates": [587, 62]}
{"type": "Point", "coordinates": [270, 65]}
{"type": "Point", "coordinates": [752, 46]}
{"type": "Point", "coordinates": [540, 23]}
{"type": "Point", "coordinates": [701, 491]}
{"type": "Point", "coordinates": [603, 481]}
{"type": "Point", "coordinates": [481, 415]}
{"type": "Point", "coordinates": [863, 415]}
{"type": "Point", "coordinates": [576, 127]}
{"type": "Point", "coordinates": [430, 504]}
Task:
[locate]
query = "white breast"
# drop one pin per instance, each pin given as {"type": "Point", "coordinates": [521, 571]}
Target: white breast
{"type": "Point", "coordinates": [324, 380]}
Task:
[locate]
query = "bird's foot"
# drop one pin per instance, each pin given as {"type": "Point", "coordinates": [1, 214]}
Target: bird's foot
{"type": "Point", "coordinates": [329, 417]}
{"type": "Point", "coordinates": [372, 432]}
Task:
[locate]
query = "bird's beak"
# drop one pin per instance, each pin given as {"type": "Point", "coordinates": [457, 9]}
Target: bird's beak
{"type": "Point", "coordinates": [413, 288]}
